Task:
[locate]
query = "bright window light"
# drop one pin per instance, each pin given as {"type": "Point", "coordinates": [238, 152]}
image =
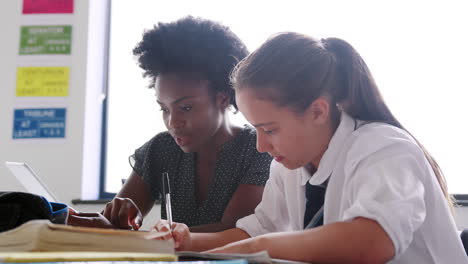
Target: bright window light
{"type": "Point", "coordinates": [416, 50]}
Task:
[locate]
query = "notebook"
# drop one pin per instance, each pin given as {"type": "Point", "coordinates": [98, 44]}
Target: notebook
{"type": "Point", "coordinates": [30, 180]}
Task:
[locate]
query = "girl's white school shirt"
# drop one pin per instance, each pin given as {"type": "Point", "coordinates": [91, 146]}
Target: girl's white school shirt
{"type": "Point", "coordinates": [376, 171]}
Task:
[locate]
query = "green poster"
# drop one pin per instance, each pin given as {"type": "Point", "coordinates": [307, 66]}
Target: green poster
{"type": "Point", "coordinates": [45, 40]}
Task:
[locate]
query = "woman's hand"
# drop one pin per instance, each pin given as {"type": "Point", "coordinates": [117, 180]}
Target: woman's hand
{"type": "Point", "coordinates": [76, 218]}
{"type": "Point", "coordinates": [123, 213]}
{"type": "Point", "coordinates": [179, 232]}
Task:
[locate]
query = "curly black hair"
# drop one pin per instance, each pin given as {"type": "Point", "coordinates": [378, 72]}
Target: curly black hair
{"type": "Point", "coordinates": [191, 45]}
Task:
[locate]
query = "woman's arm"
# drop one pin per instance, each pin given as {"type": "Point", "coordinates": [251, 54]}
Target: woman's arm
{"type": "Point", "coordinates": [242, 203]}
{"type": "Point", "coordinates": [137, 190]}
{"type": "Point", "coordinates": [358, 241]}
{"type": "Point", "coordinates": [130, 205]}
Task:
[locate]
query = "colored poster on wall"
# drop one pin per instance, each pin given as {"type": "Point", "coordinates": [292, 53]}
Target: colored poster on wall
{"type": "Point", "coordinates": [45, 40]}
{"type": "Point", "coordinates": [39, 123]}
{"type": "Point", "coordinates": [47, 6]}
{"type": "Point", "coordinates": [42, 81]}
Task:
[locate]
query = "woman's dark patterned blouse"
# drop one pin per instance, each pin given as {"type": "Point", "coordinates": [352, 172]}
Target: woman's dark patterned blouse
{"type": "Point", "coordinates": [238, 162]}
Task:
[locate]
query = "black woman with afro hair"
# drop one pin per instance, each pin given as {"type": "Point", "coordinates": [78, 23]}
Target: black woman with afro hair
{"type": "Point", "coordinates": [217, 176]}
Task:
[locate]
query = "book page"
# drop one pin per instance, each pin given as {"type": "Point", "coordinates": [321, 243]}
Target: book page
{"type": "Point", "coordinates": [259, 257]}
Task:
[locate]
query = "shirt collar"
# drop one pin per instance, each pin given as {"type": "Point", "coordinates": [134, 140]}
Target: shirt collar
{"type": "Point", "coordinates": [328, 161]}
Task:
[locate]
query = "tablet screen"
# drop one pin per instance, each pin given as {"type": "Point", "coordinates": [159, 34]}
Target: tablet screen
{"type": "Point", "coordinates": [30, 180]}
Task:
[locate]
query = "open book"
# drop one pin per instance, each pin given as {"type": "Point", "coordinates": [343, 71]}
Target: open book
{"type": "Point", "coordinates": [42, 241]}
{"type": "Point", "coordinates": [259, 257]}
{"type": "Point", "coordinates": [42, 235]}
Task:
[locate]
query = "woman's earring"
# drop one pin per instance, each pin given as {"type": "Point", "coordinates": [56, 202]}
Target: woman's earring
{"type": "Point", "coordinates": [340, 108]}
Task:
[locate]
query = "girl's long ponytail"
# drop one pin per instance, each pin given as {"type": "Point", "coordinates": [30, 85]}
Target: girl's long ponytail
{"type": "Point", "coordinates": [360, 98]}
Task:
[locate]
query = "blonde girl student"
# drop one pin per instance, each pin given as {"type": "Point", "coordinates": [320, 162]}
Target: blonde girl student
{"type": "Point", "coordinates": [319, 113]}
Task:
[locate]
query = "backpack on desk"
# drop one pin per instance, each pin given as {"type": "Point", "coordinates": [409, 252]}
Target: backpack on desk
{"type": "Point", "coordinates": [17, 208]}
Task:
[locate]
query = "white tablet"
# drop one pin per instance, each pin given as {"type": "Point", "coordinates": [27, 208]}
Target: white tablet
{"type": "Point", "coordinates": [30, 180]}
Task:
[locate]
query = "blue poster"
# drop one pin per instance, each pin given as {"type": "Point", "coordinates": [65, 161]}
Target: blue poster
{"type": "Point", "coordinates": [39, 123]}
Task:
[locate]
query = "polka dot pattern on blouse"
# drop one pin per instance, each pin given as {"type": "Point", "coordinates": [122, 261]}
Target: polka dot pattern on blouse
{"type": "Point", "coordinates": [238, 162]}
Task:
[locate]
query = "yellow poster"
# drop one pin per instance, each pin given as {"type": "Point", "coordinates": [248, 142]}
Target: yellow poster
{"type": "Point", "coordinates": [42, 81]}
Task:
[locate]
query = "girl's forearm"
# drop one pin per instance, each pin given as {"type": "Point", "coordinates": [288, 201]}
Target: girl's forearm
{"type": "Point", "coordinates": [206, 241]}
{"type": "Point", "coordinates": [358, 241]}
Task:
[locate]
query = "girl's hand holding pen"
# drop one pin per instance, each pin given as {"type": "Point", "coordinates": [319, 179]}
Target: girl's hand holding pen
{"type": "Point", "coordinates": [123, 213]}
{"type": "Point", "coordinates": [178, 231]}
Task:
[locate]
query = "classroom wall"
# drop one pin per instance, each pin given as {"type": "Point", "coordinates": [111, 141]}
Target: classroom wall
{"type": "Point", "coordinates": [69, 167]}
{"type": "Point", "coordinates": [58, 161]}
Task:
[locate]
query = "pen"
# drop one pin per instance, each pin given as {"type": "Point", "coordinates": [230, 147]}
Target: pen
{"type": "Point", "coordinates": [167, 196]}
